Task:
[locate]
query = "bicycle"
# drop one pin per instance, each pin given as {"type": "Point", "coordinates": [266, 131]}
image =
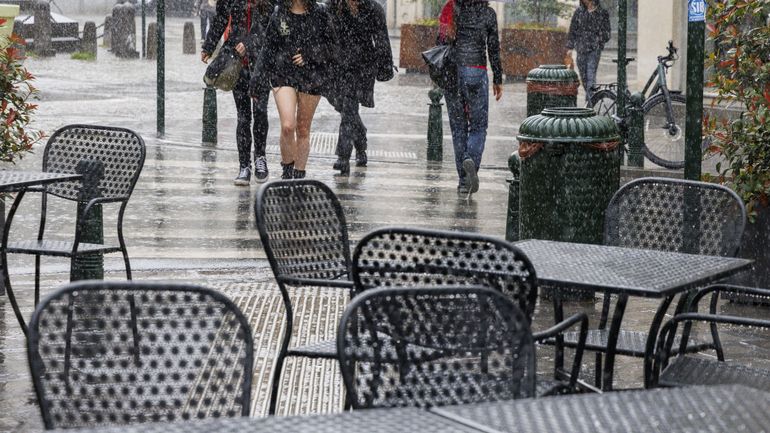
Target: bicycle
{"type": "Point", "coordinates": [664, 113]}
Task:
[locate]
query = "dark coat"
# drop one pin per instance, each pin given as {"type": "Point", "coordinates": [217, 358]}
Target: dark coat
{"type": "Point", "coordinates": [238, 32]}
{"type": "Point", "coordinates": [363, 46]}
{"type": "Point", "coordinates": [477, 36]}
{"type": "Point", "coordinates": [589, 31]}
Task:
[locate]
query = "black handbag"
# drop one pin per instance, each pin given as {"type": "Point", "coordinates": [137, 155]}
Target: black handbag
{"type": "Point", "coordinates": [441, 65]}
{"type": "Point", "coordinates": [224, 70]}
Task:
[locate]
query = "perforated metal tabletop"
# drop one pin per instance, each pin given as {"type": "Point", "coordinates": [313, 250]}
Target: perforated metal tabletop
{"type": "Point", "coordinates": [696, 409]}
{"type": "Point", "coordinates": [13, 180]}
{"type": "Point", "coordinates": [372, 421]}
{"type": "Point", "coordinates": [630, 271]}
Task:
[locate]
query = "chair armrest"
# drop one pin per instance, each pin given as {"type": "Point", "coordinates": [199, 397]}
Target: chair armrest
{"type": "Point", "coordinates": [558, 329]}
{"type": "Point", "coordinates": [718, 288]}
{"type": "Point", "coordinates": [340, 283]}
{"type": "Point", "coordinates": [665, 344]}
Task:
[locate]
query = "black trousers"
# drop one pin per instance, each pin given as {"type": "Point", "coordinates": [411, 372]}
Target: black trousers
{"type": "Point", "coordinates": [352, 130]}
{"type": "Point", "coordinates": [249, 110]}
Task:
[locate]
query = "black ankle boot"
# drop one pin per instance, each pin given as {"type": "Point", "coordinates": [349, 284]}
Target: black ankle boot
{"type": "Point", "coordinates": [342, 165]}
{"type": "Point", "coordinates": [288, 170]}
{"type": "Point", "coordinates": [299, 174]}
{"type": "Point", "coordinates": [361, 159]}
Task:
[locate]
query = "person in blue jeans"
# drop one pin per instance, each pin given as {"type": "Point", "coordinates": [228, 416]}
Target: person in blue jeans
{"type": "Point", "coordinates": [472, 28]}
{"type": "Point", "coordinates": [589, 30]}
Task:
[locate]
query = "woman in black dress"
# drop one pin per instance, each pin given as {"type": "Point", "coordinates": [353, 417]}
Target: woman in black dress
{"type": "Point", "coordinates": [295, 59]}
{"type": "Point", "coordinates": [364, 48]}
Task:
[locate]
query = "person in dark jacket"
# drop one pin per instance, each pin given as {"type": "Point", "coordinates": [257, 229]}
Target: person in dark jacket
{"type": "Point", "coordinates": [296, 60]}
{"type": "Point", "coordinates": [589, 30]}
{"type": "Point", "coordinates": [472, 28]}
{"type": "Point", "coordinates": [247, 20]}
{"type": "Point", "coordinates": [363, 46]}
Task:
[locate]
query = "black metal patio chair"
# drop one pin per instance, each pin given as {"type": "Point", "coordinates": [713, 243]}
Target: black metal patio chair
{"type": "Point", "coordinates": [112, 156]}
{"type": "Point", "coordinates": [413, 257]}
{"type": "Point", "coordinates": [666, 215]}
{"type": "Point", "coordinates": [116, 353]}
{"type": "Point", "coordinates": [453, 345]}
{"type": "Point", "coordinates": [674, 367]}
{"type": "Point", "coordinates": [305, 237]}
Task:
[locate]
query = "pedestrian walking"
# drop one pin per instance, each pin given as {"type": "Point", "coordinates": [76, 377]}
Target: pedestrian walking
{"type": "Point", "coordinates": [207, 10]}
{"type": "Point", "coordinates": [297, 61]}
{"type": "Point", "coordinates": [246, 21]}
{"type": "Point", "coordinates": [471, 26]}
{"type": "Point", "coordinates": [589, 30]}
{"type": "Point", "coordinates": [364, 49]}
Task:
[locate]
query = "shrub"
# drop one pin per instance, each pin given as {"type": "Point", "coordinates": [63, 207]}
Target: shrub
{"type": "Point", "coordinates": [741, 76]}
{"type": "Point", "coordinates": [16, 110]}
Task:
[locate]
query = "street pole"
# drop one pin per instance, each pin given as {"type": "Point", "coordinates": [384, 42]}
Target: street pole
{"type": "Point", "coordinates": [696, 29]}
{"type": "Point", "coordinates": [622, 34]}
{"type": "Point", "coordinates": [161, 66]}
{"type": "Point", "coordinates": [144, 29]}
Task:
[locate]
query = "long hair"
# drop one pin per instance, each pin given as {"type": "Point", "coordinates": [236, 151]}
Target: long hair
{"type": "Point", "coordinates": [264, 7]}
{"type": "Point", "coordinates": [309, 4]}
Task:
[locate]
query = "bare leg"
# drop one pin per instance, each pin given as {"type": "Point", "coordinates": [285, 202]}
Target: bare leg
{"type": "Point", "coordinates": [286, 102]}
{"type": "Point", "coordinates": [306, 106]}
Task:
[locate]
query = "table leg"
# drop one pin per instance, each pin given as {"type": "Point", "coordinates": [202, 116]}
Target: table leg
{"type": "Point", "coordinates": [612, 342]}
{"type": "Point", "coordinates": [652, 335]}
{"type": "Point", "coordinates": [4, 259]}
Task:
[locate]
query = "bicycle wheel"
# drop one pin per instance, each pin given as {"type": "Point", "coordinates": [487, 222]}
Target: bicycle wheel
{"type": "Point", "coordinates": [664, 143]}
{"type": "Point", "coordinates": [603, 102]}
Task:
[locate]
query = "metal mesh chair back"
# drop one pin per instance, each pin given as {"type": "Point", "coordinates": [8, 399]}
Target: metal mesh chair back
{"type": "Point", "coordinates": [397, 256]}
{"type": "Point", "coordinates": [676, 215]}
{"type": "Point", "coordinates": [303, 231]}
{"type": "Point", "coordinates": [108, 353]}
{"type": "Point", "coordinates": [120, 151]}
{"type": "Point", "coordinates": [436, 346]}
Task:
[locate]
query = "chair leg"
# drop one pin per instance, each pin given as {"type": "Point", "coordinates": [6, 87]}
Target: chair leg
{"type": "Point", "coordinates": [37, 279]}
{"type": "Point", "coordinates": [276, 383]}
{"type": "Point", "coordinates": [12, 297]}
{"type": "Point", "coordinates": [127, 263]}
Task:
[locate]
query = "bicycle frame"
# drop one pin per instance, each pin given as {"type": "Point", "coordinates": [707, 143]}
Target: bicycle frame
{"type": "Point", "coordinates": [657, 84]}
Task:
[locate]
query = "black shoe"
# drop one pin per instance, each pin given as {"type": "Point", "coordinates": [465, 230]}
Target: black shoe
{"type": "Point", "coordinates": [471, 177]}
{"type": "Point", "coordinates": [299, 174]}
{"type": "Point", "coordinates": [462, 189]}
{"type": "Point", "coordinates": [260, 170]}
{"type": "Point", "coordinates": [244, 177]}
{"type": "Point", "coordinates": [342, 165]}
{"type": "Point", "coordinates": [361, 159]}
{"type": "Point", "coordinates": [288, 170]}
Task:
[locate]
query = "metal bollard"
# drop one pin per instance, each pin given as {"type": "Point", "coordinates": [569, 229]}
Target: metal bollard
{"type": "Point", "coordinates": [209, 115]}
{"type": "Point", "coordinates": [635, 135]}
{"type": "Point", "coordinates": [42, 30]}
{"type": "Point", "coordinates": [89, 266]}
{"type": "Point", "coordinates": [152, 41]}
{"type": "Point", "coordinates": [512, 220]}
{"type": "Point", "coordinates": [188, 38]}
{"type": "Point", "coordinates": [435, 127]}
{"type": "Point", "coordinates": [88, 44]}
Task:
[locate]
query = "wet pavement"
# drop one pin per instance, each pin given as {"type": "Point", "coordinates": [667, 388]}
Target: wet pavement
{"type": "Point", "coordinates": [187, 222]}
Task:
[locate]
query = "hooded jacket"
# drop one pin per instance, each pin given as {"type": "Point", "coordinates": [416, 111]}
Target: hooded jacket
{"type": "Point", "coordinates": [362, 45]}
{"type": "Point", "coordinates": [589, 31]}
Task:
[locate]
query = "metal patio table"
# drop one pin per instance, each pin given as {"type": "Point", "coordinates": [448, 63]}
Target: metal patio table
{"type": "Point", "coordinates": [697, 409]}
{"type": "Point", "coordinates": [371, 421]}
{"type": "Point", "coordinates": [625, 272]}
{"type": "Point", "coordinates": [20, 181]}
